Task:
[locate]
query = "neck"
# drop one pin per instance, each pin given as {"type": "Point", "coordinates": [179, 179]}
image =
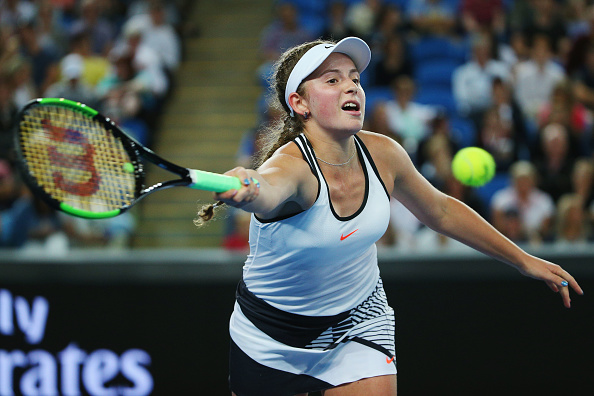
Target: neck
{"type": "Point", "coordinates": [331, 151]}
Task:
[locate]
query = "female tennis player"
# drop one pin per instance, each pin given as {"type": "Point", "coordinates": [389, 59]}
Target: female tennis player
{"type": "Point", "coordinates": [311, 313]}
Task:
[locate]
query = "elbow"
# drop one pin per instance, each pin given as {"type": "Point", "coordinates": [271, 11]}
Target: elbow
{"type": "Point", "coordinates": [438, 216]}
{"type": "Point", "coordinates": [446, 214]}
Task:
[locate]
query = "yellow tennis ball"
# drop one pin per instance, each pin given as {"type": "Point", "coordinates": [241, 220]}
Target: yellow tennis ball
{"type": "Point", "coordinates": [473, 166]}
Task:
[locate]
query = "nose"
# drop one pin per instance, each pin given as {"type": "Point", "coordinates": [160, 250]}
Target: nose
{"type": "Point", "coordinates": [352, 87]}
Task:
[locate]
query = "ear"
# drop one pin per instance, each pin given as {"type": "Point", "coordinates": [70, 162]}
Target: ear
{"type": "Point", "coordinates": [298, 103]}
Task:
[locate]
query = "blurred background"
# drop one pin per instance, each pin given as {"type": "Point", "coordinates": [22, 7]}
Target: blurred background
{"type": "Point", "coordinates": [139, 304]}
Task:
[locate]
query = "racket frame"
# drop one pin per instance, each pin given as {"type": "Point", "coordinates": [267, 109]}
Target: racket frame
{"type": "Point", "coordinates": [188, 177]}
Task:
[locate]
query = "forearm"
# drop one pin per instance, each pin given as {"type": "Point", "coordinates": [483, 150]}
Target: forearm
{"type": "Point", "coordinates": [261, 192]}
{"type": "Point", "coordinates": [460, 222]}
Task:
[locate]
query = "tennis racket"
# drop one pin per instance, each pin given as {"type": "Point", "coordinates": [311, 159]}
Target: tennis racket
{"type": "Point", "coordinates": [83, 164]}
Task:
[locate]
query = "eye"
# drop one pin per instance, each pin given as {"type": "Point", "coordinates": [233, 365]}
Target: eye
{"type": "Point", "coordinates": [356, 81]}
{"type": "Point", "coordinates": [333, 81]}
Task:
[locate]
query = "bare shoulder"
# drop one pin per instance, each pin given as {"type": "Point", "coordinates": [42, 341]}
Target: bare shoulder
{"type": "Point", "coordinates": [287, 157]}
{"type": "Point", "coordinates": [382, 148]}
{"type": "Point", "coordinates": [291, 176]}
{"type": "Point", "coordinates": [390, 158]}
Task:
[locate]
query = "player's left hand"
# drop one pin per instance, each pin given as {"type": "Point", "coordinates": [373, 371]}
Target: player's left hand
{"type": "Point", "coordinates": [554, 276]}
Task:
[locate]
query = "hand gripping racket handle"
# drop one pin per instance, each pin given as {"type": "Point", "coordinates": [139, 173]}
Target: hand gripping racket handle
{"type": "Point", "coordinates": [215, 182]}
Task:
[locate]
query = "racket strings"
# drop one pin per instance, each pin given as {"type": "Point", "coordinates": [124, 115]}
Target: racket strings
{"type": "Point", "coordinates": [76, 160]}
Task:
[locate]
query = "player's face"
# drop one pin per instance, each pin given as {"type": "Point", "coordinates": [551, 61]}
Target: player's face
{"type": "Point", "coordinates": [334, 95]}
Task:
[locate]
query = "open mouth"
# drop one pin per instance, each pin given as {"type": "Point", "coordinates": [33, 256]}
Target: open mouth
{"type": "Point", "coordinates": [351, 106]}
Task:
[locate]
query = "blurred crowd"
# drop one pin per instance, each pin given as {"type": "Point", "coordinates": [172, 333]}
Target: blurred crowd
{"type": "Point", "coordinates": [515, 77]}
{"type": "Point", "coordinates": [117, 56]}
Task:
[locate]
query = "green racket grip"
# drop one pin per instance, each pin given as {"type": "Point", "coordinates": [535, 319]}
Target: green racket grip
{"type": "Point", "coordinates": [215, 182]}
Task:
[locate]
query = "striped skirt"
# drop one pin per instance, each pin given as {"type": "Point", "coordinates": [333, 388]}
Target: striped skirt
{"type": "Point", "coordinates": [274, 352]}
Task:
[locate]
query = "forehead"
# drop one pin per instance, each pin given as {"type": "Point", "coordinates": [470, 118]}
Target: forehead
{"type": "Point", "coordinates": [336, 61]}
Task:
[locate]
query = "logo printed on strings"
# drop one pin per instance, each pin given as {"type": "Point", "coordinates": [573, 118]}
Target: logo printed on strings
{"type": "Point", "coordinates": [83, 162]}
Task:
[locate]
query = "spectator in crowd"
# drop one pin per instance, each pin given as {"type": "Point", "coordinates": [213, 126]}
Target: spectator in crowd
{"type": "Point", "coordinates": [362, 16]}
{"type": "Point", "coordinates": [438, 156]}
{"type": "Point", "coordinates": [95, 67]}
{"type": "Point", "coordinates": [28, 220]}
{"type": "Point", "coordinates": [582, 180]}
{"type": "Point", "coordinates": [572, 225]}
{"type": "Point", "coordinates": [562, 107]}
{"type": "Point", "coordinates": [8, 116]}
{"type": "Point", "coordinates": [394, 61]}
{"type": "Point", "coordinates": [376, 119]}
{"type": "Point", "coordinates": [535, 207]}
{"type": "Point", "coordinates": [440, 129]}
{"type": "Point", "coordinates": [13, 12]}
{"type": "Point", "coordinates": [512, 226]}
{"type": "Point", "coordinates": [112, 233]}
{"type": "Point", "coordinates": [149, 79]}
{"type": "Point", "coordinates": [512, 119]}
{"type": "Point", "coordinates": [123, 94]}
{"type": "Point", "coordinates": [519, 12]}
{"type": "Point", "coordinates": [390, 23]}
{"type": "Point", "coordinates": [43, 61]}
{"type": "Point", "coordinates": [101, 31]}
{"type": "Point", "coordinates": [583, 80]}
{"type": "Point", "coordinates": [497, 137]}
{"type": "Point", "coordinates": [173, 11]}
{"type": "Point", "coordinates": [581, 45]}
{"type": "Point", "coordinates": [159, 35]}
{"type": "Point", "coordinates": [483, 15]}
{"type": "Point", "coordinates": [52, 34]}
{"type": "Point", "coordinates": [432, 17]}
{"type": "Point", "coordinates": [556, 164]}
{"type": "Point", "coordinates": [144, 59]}
{"type": "Point", "coordinates": [514, 50]}
{"type": "Point", "coordinates": [337, 28]}
{"type": "Point", "coordinates": [536, 78]}
{"type": "Point", "coordinates": [71, 85]}
{"type": "Point", "coordinates": [9, 185]}
{"type": "Point", "coordinates": [472, 82]}
{"type": "Point", "coordinates": [576, 18]}
{"type": "Point", "coordinates": [546, 20]}
{"type": "Point", "coordinates": [19, 71]}
{"type": "Point", "coordinates": [284, 32]}
{"type": "Point", "coordinates": [407, 119]}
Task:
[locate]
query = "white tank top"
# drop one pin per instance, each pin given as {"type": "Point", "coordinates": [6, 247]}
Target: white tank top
{"type": "Point", "coordinates": [315, 262]}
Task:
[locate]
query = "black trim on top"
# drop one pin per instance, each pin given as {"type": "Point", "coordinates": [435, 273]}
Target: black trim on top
{"type": "Point", "coordinates": [372, 163]}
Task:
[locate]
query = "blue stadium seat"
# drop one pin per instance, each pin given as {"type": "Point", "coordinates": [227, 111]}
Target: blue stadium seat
{"type": "Point", "coordinates": [439, 97]}
{"type": "Point", "coordinates": [437, 48]}
{"type": "Point", "coordinates": [376, 95]}
{"type": "Point", "coordinates": [486, 192]}
{"type": "Point", "coordinates": [463, 131]}
{"type": "Point", "coordinates": [313, 23]}
{"type": "Point", "coordinates": [436, 73]}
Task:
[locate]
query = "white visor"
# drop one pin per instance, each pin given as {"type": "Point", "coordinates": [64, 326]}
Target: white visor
{"type": "Point", "coordinates": [354, 47]}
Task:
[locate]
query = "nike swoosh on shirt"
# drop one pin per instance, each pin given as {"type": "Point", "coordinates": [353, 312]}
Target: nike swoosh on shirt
{"type": "Point", "coordinates": [343, 237]}
{"type": "Point", "coordinates": [390, 360]}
